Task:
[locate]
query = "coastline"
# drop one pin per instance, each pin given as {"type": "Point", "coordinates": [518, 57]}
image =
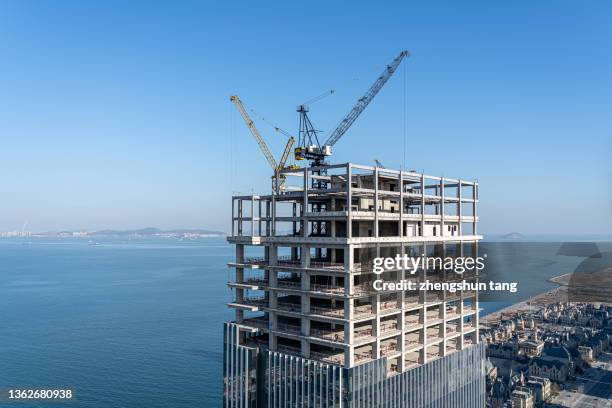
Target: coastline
{"type": "Point", "coordinates": [550, 296]}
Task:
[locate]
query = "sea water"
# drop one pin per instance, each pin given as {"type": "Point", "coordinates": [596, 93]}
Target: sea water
{"type": "Point", "coordinates": [138, 322]}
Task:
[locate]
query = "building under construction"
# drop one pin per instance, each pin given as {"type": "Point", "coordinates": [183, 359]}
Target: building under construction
{"type": "Point", "coordinates": [310, 330]}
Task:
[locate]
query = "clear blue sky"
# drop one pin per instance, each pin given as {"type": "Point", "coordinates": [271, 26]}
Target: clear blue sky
{"type": "Point", "coordinates": [117, 115]}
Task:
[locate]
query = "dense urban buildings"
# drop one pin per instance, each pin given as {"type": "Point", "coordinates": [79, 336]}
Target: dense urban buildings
{"type": "Point", "coordinates": [310, 329]}
{"type": "Point", "coordinates": [536, 352]}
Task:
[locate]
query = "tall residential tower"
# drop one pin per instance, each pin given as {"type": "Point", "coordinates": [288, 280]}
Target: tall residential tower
{"type": "Point", "coordinates": [311, 331]}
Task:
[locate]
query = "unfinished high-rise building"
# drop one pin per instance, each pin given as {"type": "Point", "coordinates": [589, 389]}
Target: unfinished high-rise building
{"type": "Point", "coordinates": [311, 330]}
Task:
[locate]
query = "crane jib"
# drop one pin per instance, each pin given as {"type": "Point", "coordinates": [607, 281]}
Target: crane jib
{"type": "Point", "coordinates": [251, 125]}
{"type": "Point", "coordinates": [363, 102]}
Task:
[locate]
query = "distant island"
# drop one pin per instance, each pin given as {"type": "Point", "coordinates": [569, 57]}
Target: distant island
{"type": "Point", "coordinates": [513, 235]}
{"type": "Point", "coordinates": [143, 232]}
{"type": "Point", "coordinates": [156, 232]}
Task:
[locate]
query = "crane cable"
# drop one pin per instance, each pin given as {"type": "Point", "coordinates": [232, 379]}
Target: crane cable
{"type": "Point", "coordinates": [279, 130]}
{"type": "Point", "coordinates": [319, 97]}
{"type": "Point", "coordinates": [230, 121]}
{"type": "Point", "coordinates": [272, 125]}
{"type": "Point", "coordinates": [405, 119]}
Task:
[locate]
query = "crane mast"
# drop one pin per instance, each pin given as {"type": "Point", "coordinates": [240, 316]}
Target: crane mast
{"type": "Point", "coordinates": [308, 140]}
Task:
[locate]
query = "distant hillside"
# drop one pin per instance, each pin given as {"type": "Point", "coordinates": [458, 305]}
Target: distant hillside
{"type": "Point", "coordinates": [143, 232]}
{"type": "Point", "coordinates": [513, 235]}
{"type": "Point", "coordinates": [157, 232]}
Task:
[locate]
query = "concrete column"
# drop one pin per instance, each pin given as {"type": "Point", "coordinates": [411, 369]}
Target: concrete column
{"type": "Point", "coordinates": [422, 204]}
{"type": "Point", "coordinates": [252, 215]}
{"type": "Point", "coordinates": [349, 199]}
{"type": "Point", "coordinates": [376, 344]}
{"type": "Point", "coordinates": [401, 212]}
{"type": "Point", "coordinates": [268, 219]}
{"type": "Point", "coordinates": [460, 227]}
{"type": "Point", "coordinates": [460, 344]}
{"type": "Point", "coordinates": [305, 346]}
{"type": "Point", "coordinates": [349, 329]}
{"type": "Point", "coordinates": [441, 329]}
{"type": "Point", "coordinates": [294, 223]}
{"type": "Point", "coordinates": [349, 357]}
{"type": "Point", "coordinates": [305, 204]}
{"type": "Point", "coordinates": [348, 262]}
{"type": "Point", "coordinates": [272, 341]}
{"type": "Point", "coordinates": [349, 309]}
{"type": "Point", "coordinates": [259, 217]}
{"type": "Point", "coordinates": [273, 295]}
{"type": "Point", "coordinates": [477, 298]}
{"type": "Point", "coordinates": [273, 275]}
{"type": "Point", "coordinates": [423, 312]}
{"type": "Point", "coordinates": [442, 224]}
{"type": "Point", "coordinates": [305, 287]}
{"type": "Point", "coordinates": [233, 209]}
{"type": "Point", "coordinates": [273, 220]}
{"type": "Point", "coordinates": [305, 301]}
{"type": "Point", "coordinates": [475, 198]}
{"type": "Point", "coordinates": [239, 253]}
{"type": "Point", "coordinates": [294, 253]}
{"type": "Point", "coordinates": [239, 278]}
{"type": "Point", "coordinates": [305, 252]}
{"type": "Point", "coordinates": [240, 217]}
{"type": "Point", "coordinates": [376, 202]}
{"type": "Point", "coordinates": [376, 322]}
{"type": "Point", "coordinates": [272, 255]}
{"type": "Point", "coordinates": [332, 222]}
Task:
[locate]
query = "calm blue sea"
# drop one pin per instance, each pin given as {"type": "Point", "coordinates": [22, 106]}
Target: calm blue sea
{"type": "Point", "coordinates": [138, 323]}
{"type": "Point", "coordinates": [124, 323]}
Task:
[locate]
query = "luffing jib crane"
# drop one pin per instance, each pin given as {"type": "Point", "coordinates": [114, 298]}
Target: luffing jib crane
{"type": "Point", "coordinates": [317, 152]}
{"type": "Point", "coordinates": [251, 125]}
{"type": "Point", "coordinates": [276, 167]}
{"type": "Point", "coordinates": [260, 141]}
{"type": "Point", "coordinates": [363, 102]}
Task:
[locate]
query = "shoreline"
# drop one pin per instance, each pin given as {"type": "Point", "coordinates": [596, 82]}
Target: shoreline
{"type": "Point", "coordinates": [562, 280]}
{"type": "Point", "coordinates": [550, 296]}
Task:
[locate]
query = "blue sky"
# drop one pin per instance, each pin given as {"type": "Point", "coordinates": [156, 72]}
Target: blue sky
{"type": "Point", "coordinates": [117, 115]}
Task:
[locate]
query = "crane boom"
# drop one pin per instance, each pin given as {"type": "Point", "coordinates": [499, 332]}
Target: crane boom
{"type": "Point", "coordinates": [260, 141]}
{"type": "Point", "coordinates": [363, 102]}
{"type": "Point", "coordinates": [286, 152]}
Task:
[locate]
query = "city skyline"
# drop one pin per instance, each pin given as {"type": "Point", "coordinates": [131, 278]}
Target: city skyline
{"type": "Point", "coordinates": [117, 128]}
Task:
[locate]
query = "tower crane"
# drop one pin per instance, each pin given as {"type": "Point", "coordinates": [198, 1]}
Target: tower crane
{"type": "Point", "coordinates": [317, 152]}
{"type": "Point", "coordinates": [276, 167]}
